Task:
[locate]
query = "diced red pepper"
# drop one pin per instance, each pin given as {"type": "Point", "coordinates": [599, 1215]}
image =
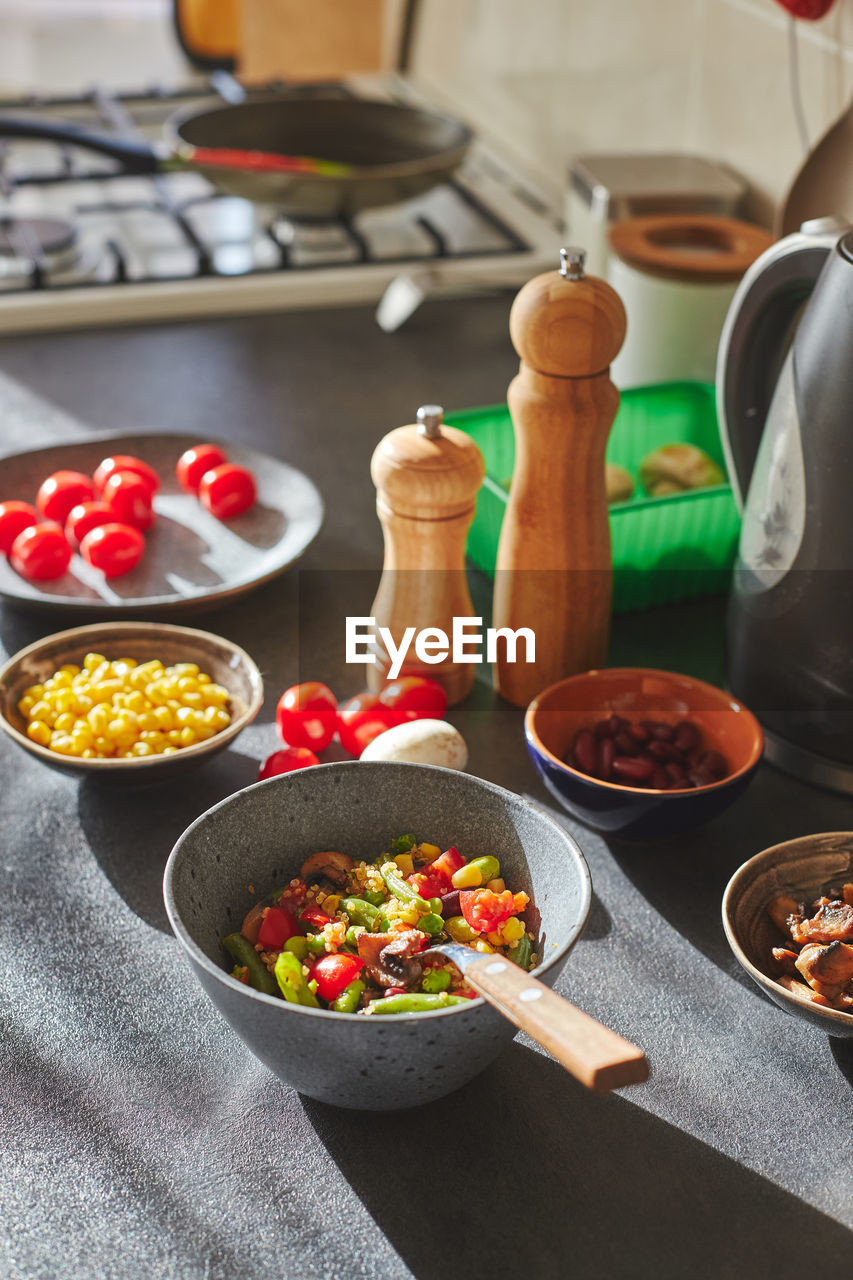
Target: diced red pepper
{"type": "Point", "coordinates": [276, 927]}
{"type": "Point", "coordinates": [334, 973]}
{"type": "Point", "coordinates": [313, 915]}
{"type": "Point", "coordinates": [447, 864]}
{"type": "Point", "coordinates": [484, 910]}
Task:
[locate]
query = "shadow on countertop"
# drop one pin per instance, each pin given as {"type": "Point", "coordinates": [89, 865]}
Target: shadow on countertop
{"type": "Point", "coordinates": [117, 826]}
{"type": "Point", "coordinates": [531, 1159]}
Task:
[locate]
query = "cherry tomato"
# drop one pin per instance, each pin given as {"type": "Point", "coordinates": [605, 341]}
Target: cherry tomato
{"type": "Point", "coordinates": [313, 915]}
{"type": "Point", "coordinates": [286, 761]}
{"type": "Point", "coordinates": [15, 517]}
{"type": "Point", "coordinates": [277, 926]}
{"type": "Point", "coordinates": [333, 974]}
{"type": "Point", "coordinates": [428, 885]}
{"type": "Point", "coordinates": [85, 517]}
{"type": "Point", "coordinates": [129, 498]}
{"type": "Point", "coordinates": [62, 491]}
{"type": "Point", "coordinates": [415, 698]}
{"type": "Point", "coordinates": [484, 910]}
{"type": "Point", "coordinates": [195, 462]}
{"type": "Point", "coordinates": [363, 718]}
{"type": "Point", "coordinates": [307, 715]}
{"type": "Point", "coordinates": [113, 548]}
{"type": "Point", "coordinates": [227, 491]}
{"type": "Point", "coordinates": [125, 462]}
{"type": "Point", "coordinates": [40, 553]}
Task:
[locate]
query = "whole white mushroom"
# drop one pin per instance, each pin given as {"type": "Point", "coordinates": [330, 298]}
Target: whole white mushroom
{"type": "Point", "coordinates": [420, 742]}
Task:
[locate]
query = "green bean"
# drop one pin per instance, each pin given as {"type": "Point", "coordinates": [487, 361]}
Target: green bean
{"type": "Point", "coordinates": [348, 1000]}
{"type": "Point", "coordinates": [352, 935]}
{"type": "Point", "coordinates": [403, 844]}
{"type": "Point", "coordinates": [360, 911]}
{"type": "Point", "coordinates": [291, 981]}
{"type": "Point", "coordinates": [297, 946]}
{"type": "Point", "coordinates": [488, 867]}
{"type": "Point", "coordinates": [436, 980]}
{"type": "Point", "coordinates": [416, 1002]}
{"type": "Point", "coordinates": [244, 953]}
{"type": "Point", "coordinates": [431, 923]}
{"type": "Point", "coordinates": [521, 952]}
{"type": "Point", "coordinates": [374, 896]}
{"type": "Point", "coordinates": [459, 929]}
{"type": "Point", "coordinates": [403, 892]}
{"type": "Point", "coordinates": [316, 944]}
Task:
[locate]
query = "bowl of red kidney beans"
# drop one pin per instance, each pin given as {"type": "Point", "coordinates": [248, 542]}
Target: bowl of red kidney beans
{"type": "Point", "coordinates": [642, 754]}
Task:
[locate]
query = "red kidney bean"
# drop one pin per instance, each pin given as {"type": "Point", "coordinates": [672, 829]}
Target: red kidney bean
{"type": "Point", "coordinates": [661, 750]}
{"type": "Point", "coordinates": [625, 744]}
{"type": "Point", "coordinates": [602, 729]}
{"type": "Point", "coordinates": [604, 762]}
{"type": "Point", "coordinates": [450, 904]}
{"type": "Point", "coordinates": [659, 779]}
{"type": "Point", "coordinates": [662, 732]}
{"type": "Point", "coordinates": [675, 773]}
{"type": "Point", "coordinates": [712, 762]}
{"type": "Point", "coordinates": [699, 778]}
{"type": "Point", "coordinates": [686, 735]}
{"type": "Point", "coordinates": [584, 750]}
{"type": "Point", "coordinates": [635, 770]}
{"type": "Point", "coordinates": [638, 732]}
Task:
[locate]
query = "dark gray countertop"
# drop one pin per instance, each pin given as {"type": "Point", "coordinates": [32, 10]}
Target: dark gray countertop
{"type": "Point", "coordinates": [140, 1138]}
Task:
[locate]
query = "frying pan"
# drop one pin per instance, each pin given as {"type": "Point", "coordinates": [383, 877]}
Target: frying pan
{"type": "Point", "coordinates": [396, 152]}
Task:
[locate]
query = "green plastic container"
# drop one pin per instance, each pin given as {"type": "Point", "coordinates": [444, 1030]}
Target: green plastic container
{"type": "Point", "coordinates": [664, 549]}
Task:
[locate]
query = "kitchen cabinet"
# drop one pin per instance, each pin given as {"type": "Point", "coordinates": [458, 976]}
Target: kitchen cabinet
{"type": "Point", "coordinates": [140, 1137]}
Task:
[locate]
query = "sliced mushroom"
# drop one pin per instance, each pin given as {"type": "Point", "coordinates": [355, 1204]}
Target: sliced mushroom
{"type": "Point", "coordinates": [334, 866]}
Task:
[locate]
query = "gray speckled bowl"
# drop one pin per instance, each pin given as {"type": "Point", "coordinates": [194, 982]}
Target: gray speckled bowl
{"type": "Point", "coordinates": [261, 836]}
{"type": "Point", "coordinates": [799, 868]}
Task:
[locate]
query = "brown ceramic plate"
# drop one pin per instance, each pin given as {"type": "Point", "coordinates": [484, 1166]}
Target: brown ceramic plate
{"type": "Point", "coordinates": [800, 868]}
{"type": "Point", "coordinates": [227, 663]}
{"type": "Point", "coordinates": [192, 561]}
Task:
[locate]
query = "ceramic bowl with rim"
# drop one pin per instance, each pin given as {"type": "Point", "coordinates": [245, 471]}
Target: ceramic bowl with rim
{"type": "Point", "coordinates": [261, 836]}
{"type": "Point", "coordinates": [640, 693]}
{"type": "Point", "coordinates": [224, 661]}
{"type": "Point", "coordinates": [800, 869]}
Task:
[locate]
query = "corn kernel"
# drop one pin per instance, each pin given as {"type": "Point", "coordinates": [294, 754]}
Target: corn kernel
{"type": "Point", "coordinates": [164, 717]}
{"type": "Point", "coordinates": [62, 743]}
{"type": "Point", "coordinates": [168, 751]}
{"type": "Point", "coordinates": [142, 749]}
{"type": "Point", "coordinates": [93, 660]}
{"type": "Point", "coordinates": [184, 669]}
{"type": "Point", "coordinates": [123, 666]}
{"type": "Point", "coordinates": [174, 737]}
{"type": "Point", "coordinates": [70, 669]}
{"type": "Point", "coordinates": [104, 746]}
{"type": "Point", "coordinates": [154, 738]}
{"type": "Point", "coordinates": [134, 701]}
{"type": "Point", "coordinates": [64, 723]}
{"type": "Point", "coordinates": [99, 717]}
{"type": "Point", "coordinates": [82, 738]}
{"type": "Point", "coordinates": [147, 722]}
{"type": "Point", "coordinates": [43, 711]}
{"type": "Point", "coordinates": [187, 736]}
{"type": "Point", "coordinates": [511, 930]}
{"type": "Point", "coordinates": [82, 704]}
{"type": "Point", "coordinates": [88, 754]}
{"type": "Point", "coordinates": [203, 678]}
{"type": "Point", "coordinates": [26, 704]}
{"type": "Point", "coordinates": [59, 680]}
{"type": "Point", "coordinates": [480, 944]}
{"type": "Point", "coordinates": [331, 903]}
{"type": "Point", "coordinates": [428, 852]}
{"type": "Point", "coordinates": [214, 695]}
{"type": "Point", "coordinates": [38, 731]}
{"type": "Point", "coordinates": [466, 877]}
{"type": "Point", "coordinates": [203, 732]}
{"type": "Point", "coordinates": [497, 885]}
{"type": "Point", "coordinates": [34, 691]}
{"type": "Point", "coordinates": [405, 865]}
{"type": "Point", "coordinates": [193, 699]}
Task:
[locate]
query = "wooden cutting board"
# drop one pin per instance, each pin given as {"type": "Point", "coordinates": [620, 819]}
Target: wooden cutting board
{"type": "Point", "coordinates": [322, 40]}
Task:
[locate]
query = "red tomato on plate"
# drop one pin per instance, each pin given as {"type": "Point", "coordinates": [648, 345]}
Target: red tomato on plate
{"type": "Point", "coordinates": [363, 718]}
{"type": "Point", "coordinates": [62, 491]}
{"type": "Point", "coordinates": [333, 974]}
{"type": "Point", "coordinates": [113, 548]}
{"type": "Point", "coordinates": [85, 517]}
{"type": "Point", "coordinates": [307, 715]}
{"type": "Point", "coordinates": [484, 910]}
{"type": "Point", "coordinates": [129, 498]}
{"type": "Point", "coordinates": [125, 462]}
{"type": "Point", "coordinates": [286, 761]}
{"type": "Point", "coordinates": [415, 697]}
{"type": "Point", "coordinates": [15, 517]}
{"type": "Point", "coordinates": [193, 464]}
{"type": "Point", "coordinates": [40, 553]}
{"type": "Point", "coordinates": [227, 491]}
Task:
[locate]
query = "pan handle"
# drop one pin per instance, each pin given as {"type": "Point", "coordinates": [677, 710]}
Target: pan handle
{"type": "Point", "coordinates": [133, 155]}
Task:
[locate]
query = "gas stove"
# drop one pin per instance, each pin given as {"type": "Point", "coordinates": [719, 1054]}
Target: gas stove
{"type": "Point", "coordinates": [83, 243]}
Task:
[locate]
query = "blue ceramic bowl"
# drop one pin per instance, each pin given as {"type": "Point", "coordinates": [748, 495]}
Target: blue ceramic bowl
{"type": "Point", "coordinates": [639, 813]}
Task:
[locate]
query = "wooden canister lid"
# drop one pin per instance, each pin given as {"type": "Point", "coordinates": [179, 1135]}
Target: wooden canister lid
{"type": "Point", "coordinates": [428, 470]}
{"type": "Point", "coordinates": [691, 247]}
{"type": "Point", "coordinates": [567, 324]}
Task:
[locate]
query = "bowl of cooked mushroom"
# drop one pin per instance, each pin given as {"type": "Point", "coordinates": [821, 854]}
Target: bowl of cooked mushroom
{"type": "Point", "coordinates": [788, 917]}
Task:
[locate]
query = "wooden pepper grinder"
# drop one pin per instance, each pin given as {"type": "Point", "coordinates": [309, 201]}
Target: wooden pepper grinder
{"type": "Point", "coordinates": [553, 570]}
{"type": "Point", "coordinates": [427, 477]}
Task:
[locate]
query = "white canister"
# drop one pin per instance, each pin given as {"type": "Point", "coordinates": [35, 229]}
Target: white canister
{"type": "Point", "coordinates": [676, 275]}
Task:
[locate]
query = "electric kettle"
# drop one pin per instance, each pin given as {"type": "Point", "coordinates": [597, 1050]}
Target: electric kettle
{"type": "Point", "coordinates": [785, 406]}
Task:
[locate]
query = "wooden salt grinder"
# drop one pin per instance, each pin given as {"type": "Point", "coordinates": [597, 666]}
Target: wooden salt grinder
{"type": "Point", "coordinates": [427, 477]}
{"type": "Point", "coordinates": [553, 570]}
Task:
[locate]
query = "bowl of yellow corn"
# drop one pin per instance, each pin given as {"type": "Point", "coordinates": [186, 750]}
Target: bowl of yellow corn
{"type": "Point", "coordinates": [128, 701]}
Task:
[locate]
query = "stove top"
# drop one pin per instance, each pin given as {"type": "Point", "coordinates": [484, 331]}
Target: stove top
{"type": "Point", "coordinates": [82, 242]}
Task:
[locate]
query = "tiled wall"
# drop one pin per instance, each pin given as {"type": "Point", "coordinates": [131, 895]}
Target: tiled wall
{"type": "Point", "coordinates": [555, 77]}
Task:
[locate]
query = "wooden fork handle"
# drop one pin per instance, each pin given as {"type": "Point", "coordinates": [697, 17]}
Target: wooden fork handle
{"type": "Point", "coordinates": [595, 1055]}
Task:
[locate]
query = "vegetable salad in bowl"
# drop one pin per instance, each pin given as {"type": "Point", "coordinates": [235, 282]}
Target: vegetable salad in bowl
{"type": "Point", "coordinates": [355, 937]}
